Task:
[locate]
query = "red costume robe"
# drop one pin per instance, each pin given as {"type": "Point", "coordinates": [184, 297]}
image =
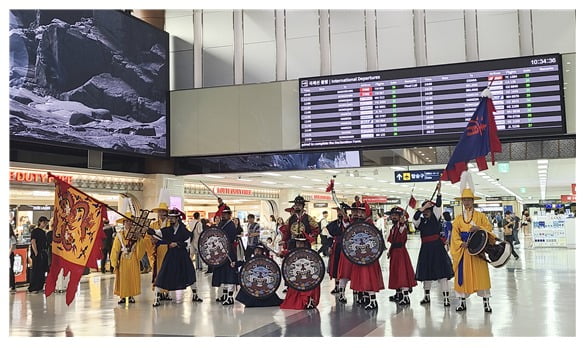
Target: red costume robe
{"type": "Point", "coordinates": [401, 271]}
{"type": "Point", "coordinates": [366, 277]}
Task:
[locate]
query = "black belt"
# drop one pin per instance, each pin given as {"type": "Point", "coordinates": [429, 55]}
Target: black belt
{"type": "Point", "coordinates": [397, 245]}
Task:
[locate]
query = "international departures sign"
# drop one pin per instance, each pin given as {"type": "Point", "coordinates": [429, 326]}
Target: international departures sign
{"type": "Point", "coordinates": [417, 175]}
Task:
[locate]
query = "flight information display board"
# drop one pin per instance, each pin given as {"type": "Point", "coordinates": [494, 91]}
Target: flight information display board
{"type": "Point", "coordinates": [431, 104]}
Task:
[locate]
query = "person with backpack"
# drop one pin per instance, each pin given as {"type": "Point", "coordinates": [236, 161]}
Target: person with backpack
{"type": "Point", "coordinates": [508, 227]}
{"type": "Point", "coordinates": [515, 230]}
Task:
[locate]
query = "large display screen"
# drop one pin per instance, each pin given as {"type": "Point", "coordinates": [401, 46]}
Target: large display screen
{"type": "Point", "coordinates": [431, 104]}
{"type": "Point", "coordinates": [264, 162]}
{"type": "Point", "coordinates": [96, 79]}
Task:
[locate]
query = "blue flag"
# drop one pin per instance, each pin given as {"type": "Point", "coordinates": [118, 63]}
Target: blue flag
{"type": "Point", "coordinates": [479, 138]}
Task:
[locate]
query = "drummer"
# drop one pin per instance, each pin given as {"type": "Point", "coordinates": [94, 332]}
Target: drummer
{"type": "Point", "coordinates": [260, 251]}
{"type": "Point", "coordinates": [471, 272]}
{"type": "Point", "coordinates": [366, 279]}
{"type": "Point", "coordinates": [300, 232]}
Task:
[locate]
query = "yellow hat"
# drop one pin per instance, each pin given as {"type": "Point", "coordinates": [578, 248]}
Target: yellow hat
{"type": "Point", "coordinates": [467, 193]}
{"type": "Point", "coordinates": [162, 206]}
{"type": "Point", "coordinates": [127, 214]}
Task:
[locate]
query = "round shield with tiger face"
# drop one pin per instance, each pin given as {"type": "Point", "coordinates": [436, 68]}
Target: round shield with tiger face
{"type": "Point", "coordinates": [362, 243]}
{"type": "Point", "coordinates": [303, 269]}
{"type": "Point", "coordinates": [213, 246]}
{"type": "Point", "coordinates": [260, 277]}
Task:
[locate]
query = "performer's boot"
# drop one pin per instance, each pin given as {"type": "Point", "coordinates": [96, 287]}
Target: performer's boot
{"type": "Point", "coordinates": [166, 296]}
{"type": "Point", "coordinates": [365, 298]}
{"type": "Point", "coordinates": [157, 302]}
{"type": "Point", "coordinates": [310, 304]}
{"type": "Point", "coordinates": [373, 304]}
{"type": "Point", "coordinates": [405, 300]}
{"type": "Point", "coordinates": [336, 289]}
{"type": "Point", "coordinates": [179, 295]}
{"type": "Point", "coordinates": [122, 300]}
{"type": "Point", "coordinates": [446, 302]}
{"type": "Point", "coordinates": [195, 297]}
{"type": "Point", "coordinates": [487, 307]}
{"type": "Point", "coordinates": [427, 298]}
{"type": "Point", "coordinates": [229, 300]}
{"type": "Point", "coordinates": [223, 298]}
{"type": "Point", "coordinates": [396, 297]}
{"type": "Point", "coordinates": [131, 299]}
{"type": "Point", "coordinates": [462, 305]}
{"type": "Point", "coordinates": [342, 298]}
{"type": "Point", "coordinates": [356, 297]}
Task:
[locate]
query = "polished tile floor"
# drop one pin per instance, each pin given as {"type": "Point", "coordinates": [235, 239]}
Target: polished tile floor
{"type": "Point", "coordinates": [534, 296]}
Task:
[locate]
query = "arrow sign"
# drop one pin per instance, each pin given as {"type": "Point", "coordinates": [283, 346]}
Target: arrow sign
{"type": "Point", "coordinates": [430, 175]}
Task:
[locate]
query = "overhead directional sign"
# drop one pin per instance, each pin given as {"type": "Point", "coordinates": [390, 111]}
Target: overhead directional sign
{"type": "Point", "coordinates": [417, 175]}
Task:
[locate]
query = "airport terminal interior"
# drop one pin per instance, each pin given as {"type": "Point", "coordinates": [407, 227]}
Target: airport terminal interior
{"type": "Point", "coordinates": [197, 112]}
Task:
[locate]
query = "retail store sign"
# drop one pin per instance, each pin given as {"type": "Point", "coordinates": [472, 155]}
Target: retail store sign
{"type": "Point", "coordinates": [501, 198]}
{"type": "Point", "coordinates": [393, 200]}
{"type": "Point", "coordinates": [33, 177]}
{"type": "Point", "coordinates": [320, 205]}
{"type": "Point", "coordinates": [233, 191]}
{"type": "Point", "coordinates": [568, 198]}
{"type": "Point", "coordinates": [374, 199]}
{"type": "Point", "coordinates": [321, 197]}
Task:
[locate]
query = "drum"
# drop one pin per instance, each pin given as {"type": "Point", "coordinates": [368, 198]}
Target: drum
{"type": "Point", "coordinates": [303, 269]}
{"type": "Point", "coordinates": [362, 243]}
{"type": "Point", "coordinates": [213, 246]}
{"type": "Point", "coordinates": [496, 254]}
{"type": "Point", "coordinates": [260, 277]}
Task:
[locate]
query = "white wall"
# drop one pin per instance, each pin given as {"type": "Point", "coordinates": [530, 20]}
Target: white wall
{"type": "Point", "coordinates": [179, 23]}
{"type": "Point", "coordinates": [395, 39]}
{"type": "Point", "coordinates": [348, 50]}
{"type": "Point", "coordinates": [217, 48]}
{"type": "Point", "coordinates": [259, 41]}
{"type": "Point", "coordinates": [303, 56]}
{"type": "Point", "coordinates": [445, 36]}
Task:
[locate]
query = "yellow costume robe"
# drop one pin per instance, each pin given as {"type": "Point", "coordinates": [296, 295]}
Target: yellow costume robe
{"type": "Point", "coordinates": [474, 274]}
{"type": "Point", "coordinates": [161, 249]}
{"type": "Point", "coordinates": [127, 267]}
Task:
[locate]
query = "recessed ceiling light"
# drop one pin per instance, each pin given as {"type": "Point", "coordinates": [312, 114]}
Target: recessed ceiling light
{"type": "Point", "coordinates": [240, 179]}
{"type": "Point", "coordinates": [214, 176]}
{"type": "Point", "coordinates": [268, 182]}
{"type": "Point", "coordinates": [308, 187]}
{"type": "Point", "coordinates": [542, 161]}
{"type": "Point", "coordinates": [272, 174]}
{"type": "Point", "coordinates": [317, 180]}
{"type": "Point", "coordinates": [296, 177]}
{"type": "Point", "coordinates": [331, 171]}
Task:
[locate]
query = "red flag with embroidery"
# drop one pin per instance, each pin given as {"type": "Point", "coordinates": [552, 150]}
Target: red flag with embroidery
{"type": "Point", "coordinates": [77, 236]}
{"type": "Point", "coordinates": [479, 138]}
{"type": "Point", "coordinates": [412, 202]}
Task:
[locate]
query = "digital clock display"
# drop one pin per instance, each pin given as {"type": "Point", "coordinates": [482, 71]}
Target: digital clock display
{"type": "Point", "coordinates": [431, 104]}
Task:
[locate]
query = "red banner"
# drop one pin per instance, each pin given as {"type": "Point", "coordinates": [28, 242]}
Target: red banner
{"type": "Point", "coordinates": [374, 199]}
{"type": "Point", "coordinates": [77, 236]}
{"type": "Point", "coordinates": [321, 197]}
